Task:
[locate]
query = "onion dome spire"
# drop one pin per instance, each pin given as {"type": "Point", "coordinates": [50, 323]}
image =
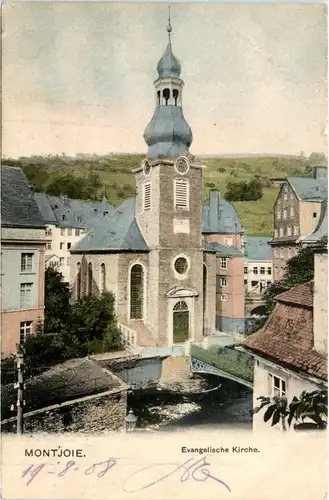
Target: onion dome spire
{"type": "Point", "coordinates": [169, 65]}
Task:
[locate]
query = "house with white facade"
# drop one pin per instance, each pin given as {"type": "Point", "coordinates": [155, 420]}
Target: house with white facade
{"type": "Point", "coordinates": [291, 350]}
{"type": "Point", "coordinates": [67, 221]}
{"type": "Point", "coordinates": [258, 264]}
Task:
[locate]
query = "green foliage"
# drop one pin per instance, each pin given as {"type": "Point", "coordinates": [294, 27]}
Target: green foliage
{"type": "Point", "coordinates": [88, 326]}
{"type": "Point", "coordinates": [115, 175]}
{"type": "Point", "coordinates": [244, 191]}
{"type": "Point", "coordinates": [311, 406]}
{"type": "Point", "coordinates": [57, 298]}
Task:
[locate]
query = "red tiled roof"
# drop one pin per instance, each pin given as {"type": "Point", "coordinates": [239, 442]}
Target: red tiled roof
{"type": "Point", "coordinates": [287, 336]}
{"type": "Point", "coordinates": [299, 295]}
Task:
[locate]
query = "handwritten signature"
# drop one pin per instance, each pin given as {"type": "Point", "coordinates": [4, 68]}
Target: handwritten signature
{"type": "Point", "coordinates": [191, 469]}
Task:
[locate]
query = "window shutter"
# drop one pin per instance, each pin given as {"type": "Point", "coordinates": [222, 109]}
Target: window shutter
{"type": "Point", "coordinates": [181, 194]}
{"type": "Point", "coordinates": [147, 196]}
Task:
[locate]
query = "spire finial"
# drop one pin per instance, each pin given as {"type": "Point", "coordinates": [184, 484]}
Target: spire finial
{"type": "Point", "coordinates": [169, 28]}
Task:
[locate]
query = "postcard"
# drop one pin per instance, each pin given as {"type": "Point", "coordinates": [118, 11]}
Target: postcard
{"type": "Point", "coordinates": [164, 226]}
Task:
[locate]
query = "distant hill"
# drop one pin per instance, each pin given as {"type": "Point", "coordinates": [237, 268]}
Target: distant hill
{"type": "Point", "coordinates": [92, 176]}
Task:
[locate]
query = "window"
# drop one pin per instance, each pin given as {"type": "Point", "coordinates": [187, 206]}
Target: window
{"type": "Point", "coordinates": [276, 252]}
{"type": "Point", "coordinates": [277, 386]}
{"type": "Point", "coordinates": [279, 215]}
{"type": "Point", "coordinates": [26, 262]}
{"type": "Point", "coordinates": [228, 241]}
{"type": "Point", "coordinates": [262, 270]}
{"type": "Point", "coordinates": [281, 253]}
{"type": "Point", "coordinates": [223, 297]}
{"type": "Point", "coordinates": [63, 217]}
{"type": "Point", "coordinates": [289, 253]}
{"type": "Point", "coordinates": [285, 213]}
{"type": "Point", "coordinates": [268, 283]}
{"type": "Point", "coordinates": [223, 282]}
{"type": "Point", "coordinates": [269, 270]}
{"type": "Point", "coordinates": [276, 233]}
{"type": "Point", "coordinates": [77, 232]}
{"type": "Point", "coordinates": [255, 270]}
{"type": "Point", "coordinates": [25, 294]}
{"type": "Point", "coordinates": [68, 245]}
{"type": "Point", "coordinates": [48, 245]}
{"type": "Point", "coordinates": [62, 232]}
{"type": "Point", "coordinates": [181, 265]}
{"type": "Point", "coordinates": [314, 214]}
{"type": "Point", "coordinates": [90, 278]}
{"type": "Point", "coordinates": [61, 245]}
{"type": "Point", "coordinates": [147, 196]}
{"type": "Point", "coordinates": [103, 278]}
{"type": "Point", "coordinates": [61, 261]}
{"type": "Point", "coordinates": [285, 196]}
{"type": "Point", "coordinates": [292, 196]}
{"type": "Point", "coordinates": [24, 330]}
{"type": "Point", "coordinates": [292, 212]}
{"type": "Point", "coordinates": [49, 231]}
{"type": "Point", "coordinates": [181, 190]}
{"type": "Point", "coordinates": [281, 232]}
{"type": "Point", "coordinates": [79, 218]}
{"type": "Point", "coordinates": [296, 230]}
{"type": "Point", "coordinates": [254, 283]}
{"type": "Point", "coordinates": [246, 270]}
{"type": "Point", "coordinates": [136, 292]}
{"type": "Point", "coordinates": [223, 263]}
{"type": "Point", "coordinates": [69, 231]}
{"type": "Point", "coordinates": [289, 231]}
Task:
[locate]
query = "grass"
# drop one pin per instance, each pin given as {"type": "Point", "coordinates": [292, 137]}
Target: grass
{"type": "Point", "coordinates": [118, 180]}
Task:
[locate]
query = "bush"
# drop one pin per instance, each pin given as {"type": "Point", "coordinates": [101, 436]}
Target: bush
{"type": "Point", "coordinates": [244, 191]}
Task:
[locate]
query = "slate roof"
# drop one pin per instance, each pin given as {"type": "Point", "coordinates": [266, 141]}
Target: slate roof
{"type": "Point", "coordinates": [257, 248]}
{"type": "Point", "coordinates": [81, 214]}
{"type": "Point", "coordinates": [287, 337]}
{"type": "Point", "coordinates": [43, 202]}
{"type": "Point", "coordinates": [71, 380]}
{"type": "Point", "coordinates": [219, 216]}
{"type": "Point", "coordinates": [18, 207]}
{"type": "Point", "coordinates": [222, 250]}
{"type": "Point", "coordinates": [308, 188]}
{"type": "Point", "coordinates": [119, 232]}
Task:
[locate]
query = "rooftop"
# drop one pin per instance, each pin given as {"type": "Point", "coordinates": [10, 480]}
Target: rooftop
{"type": "Point", "coordinates": [222, 250]}
{"type": "Point", "coordinates": [219, 216]}
{"type": "Point", "coordinates": [287, 337]}
{"type": "Point", "coordinates": [257, 248]}
{"type": "Point", "coordinates": [71, 380]}
{"type": "Point", "coordinates": [18, 207]}
{"type": "Point", "coordinates": [119, 232]}
{"type": "Point", "coordinates": [308, 188]}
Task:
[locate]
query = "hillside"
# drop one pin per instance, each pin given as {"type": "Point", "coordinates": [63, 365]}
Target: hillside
{"type": "Point", "coordinates": [94, 176]}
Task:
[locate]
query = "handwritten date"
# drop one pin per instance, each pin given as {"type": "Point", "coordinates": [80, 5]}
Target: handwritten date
{"type": "Point", "coordinates": [141, 479]}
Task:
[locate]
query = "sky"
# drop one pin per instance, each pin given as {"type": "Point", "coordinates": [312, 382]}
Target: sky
{"type": "Point", "coordinates": [78, 77]}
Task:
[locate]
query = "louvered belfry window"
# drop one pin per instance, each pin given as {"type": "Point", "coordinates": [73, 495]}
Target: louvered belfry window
{"type": "Point", "coordinates": [147, 196]}
{"type": "Point", "coordinates": [136, 292]}
{"type": "Point", "coordinates": [181, 194]}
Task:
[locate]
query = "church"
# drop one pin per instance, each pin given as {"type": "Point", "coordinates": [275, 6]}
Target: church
{"type": "Point", "coordinates": [174, 263]}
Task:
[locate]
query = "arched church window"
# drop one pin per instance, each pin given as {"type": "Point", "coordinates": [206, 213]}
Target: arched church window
{"type": "Point", "coordinates": [90, 278]}
{"type": "Point", "coordinates": [181, 306]}
{"type": "Point", "coordinates": [166, 95]}
{"type": "Point", "coordinates": [159, 97]}
{"type": "Point", "coordinates": [175, 95]}
{"type": "Point", "coordinates": [103, 278]}
{"type": "Point", "coordinates": [136, 292]}
{"type": "Point", "coordinates": [78, 283]}
{"type": "Point", "coordinates": [181, 322]}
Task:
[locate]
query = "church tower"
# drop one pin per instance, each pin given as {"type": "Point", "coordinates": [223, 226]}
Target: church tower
{"type": "Point", "coordinates": [169, 212]}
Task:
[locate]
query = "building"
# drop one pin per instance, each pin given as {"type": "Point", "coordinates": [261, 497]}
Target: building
{"type": "Point", "coordinates": [297, 212]}
{"type": "Point", "coordinates": [22, 260]}
{"type": "Point", "coordinates": [258, 265]}
{"type": "Point", "coordinates": [170, 261]}
{"type": "Point", "coordinates": [67, 221]}
{"type": "Point", "coordinates": [291, 350]}
{"type": "Point", "coordinates": [76, 396]}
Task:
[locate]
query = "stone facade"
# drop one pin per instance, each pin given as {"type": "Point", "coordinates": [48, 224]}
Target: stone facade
{"type": "Point", "coordinates": [321, 302]}
{"type": "Point", "coordinates": [89, 415]}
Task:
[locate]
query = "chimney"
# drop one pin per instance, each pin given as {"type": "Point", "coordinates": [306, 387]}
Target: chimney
{"type": "Point", "coordinates": [320, 302]}
{"type": "Point", "coordinates": [213, 208]}
{"type": "Point", "coordinates": [320, 172]}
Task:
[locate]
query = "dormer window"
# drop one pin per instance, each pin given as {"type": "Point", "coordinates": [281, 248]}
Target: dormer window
{"type": "Point", "coordinates": [63, 217]}
{"type": "Point", "coordinates": [79, 219]}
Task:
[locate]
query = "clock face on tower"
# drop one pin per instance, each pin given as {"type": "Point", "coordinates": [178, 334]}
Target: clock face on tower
{"type": "Point", "coordinates": [182, 165]}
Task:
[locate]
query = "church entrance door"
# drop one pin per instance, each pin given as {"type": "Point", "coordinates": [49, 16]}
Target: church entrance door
{"type": "Point", "coordinates": [181, 322]}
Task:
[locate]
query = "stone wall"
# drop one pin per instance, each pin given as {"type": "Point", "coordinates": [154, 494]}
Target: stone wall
{"type": "Point", "coordinates": [89, 415]}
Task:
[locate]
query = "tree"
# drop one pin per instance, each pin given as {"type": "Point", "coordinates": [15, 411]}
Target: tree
{"type": "Point", "coordinates": [244, 191]}
{"type": "Point", "coordinates": [57, 298]}
{"type": "Point", "coordinates": [309, 406]}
